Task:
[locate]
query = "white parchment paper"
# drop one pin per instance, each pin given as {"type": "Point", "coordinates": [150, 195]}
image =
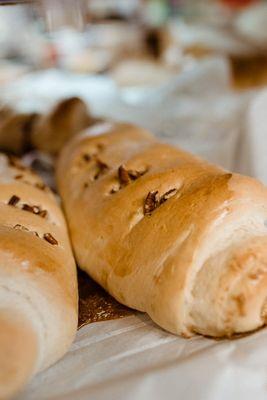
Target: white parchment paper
{"type": "Point", "coordinates": [133, 359]}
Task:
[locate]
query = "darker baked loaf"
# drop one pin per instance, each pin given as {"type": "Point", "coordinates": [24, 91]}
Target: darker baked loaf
{"type": "Point", "coordinates": [22, 132]}
{"type": "Point", "coordinates": [54, 129]}
{"type": "Point", "coordinates": [15, 131]}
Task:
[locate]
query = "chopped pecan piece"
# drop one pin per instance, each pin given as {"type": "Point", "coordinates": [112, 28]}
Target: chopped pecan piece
{"type": "Point", "coordinates": [102, 168]}
{"type": "Point", "coordinates": [50, 239]}
{"type": "Point", "coordinates": [42, 213]}
{"type": "Point", "coordinates": [151, 202]}
{"type": "Point", "coordinates": [123, 175]}
{"type": "Point", "coordinates": [13, 201]}
{"type": "Point", "coordinates": [35, 210]}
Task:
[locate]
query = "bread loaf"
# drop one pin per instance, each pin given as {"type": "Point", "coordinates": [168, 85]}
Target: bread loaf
{"type": "Point", "coordinates": [165, 232]}
{"type": "Point", "coordinates": [47, 132]}
{"type": "Point", "coordinates": [38, 288]}
{"type": "Point", "coordinates": [15, 131]}
{"type": "Point", "coordinates": [52, 130]}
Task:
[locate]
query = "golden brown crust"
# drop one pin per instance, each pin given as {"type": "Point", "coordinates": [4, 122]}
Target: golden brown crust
{"type": "Point", "coordinates": [37, 272]}
{"type": "Point", "coordinates": [160, 229]}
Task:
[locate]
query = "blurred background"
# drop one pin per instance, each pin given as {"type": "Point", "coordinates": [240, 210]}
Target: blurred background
{"type": "Point", "coordinates": [192, 71]}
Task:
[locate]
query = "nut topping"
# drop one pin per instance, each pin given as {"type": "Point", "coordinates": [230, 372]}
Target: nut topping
{"type": "Point", "coordinates": [102, 168]}
{"type": "Point", "coordinates": [126, 176]}
{"type": "Point", "coordinates": [151, 202]}
{"type": "Point", "coordinates": [50, 239]}
{"type": "Point", "coordinates": [42, 213]}
{"type": "Point", "coordinates": [35, 210]}
{"type": "Point", "coordinates": [123, 175]}
{"type": "Point", "coordinates": [13, 201]}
